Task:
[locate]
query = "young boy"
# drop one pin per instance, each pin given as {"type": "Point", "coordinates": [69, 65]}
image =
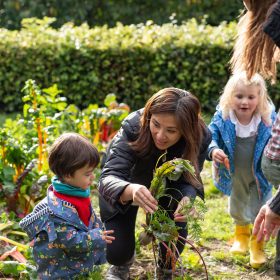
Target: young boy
{"type": "Point", "coordinates": [68, 240]}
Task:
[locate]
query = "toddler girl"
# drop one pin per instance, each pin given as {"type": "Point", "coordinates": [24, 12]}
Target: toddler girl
{"type": "Point", "coordinates": [240, 130]}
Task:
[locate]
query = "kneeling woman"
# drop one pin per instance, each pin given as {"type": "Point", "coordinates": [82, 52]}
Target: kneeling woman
{"type": "Point", "coordinates": [169, 123]}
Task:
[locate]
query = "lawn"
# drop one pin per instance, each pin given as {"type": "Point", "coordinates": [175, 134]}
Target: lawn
{"type": "Point", "coordinates": [214, 245]}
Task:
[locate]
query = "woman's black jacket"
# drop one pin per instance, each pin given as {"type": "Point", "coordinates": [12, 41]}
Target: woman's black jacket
{"type": "Point", "coordinates": [272, 25]}
{"type": "Point", "coordinates": [122, 167]}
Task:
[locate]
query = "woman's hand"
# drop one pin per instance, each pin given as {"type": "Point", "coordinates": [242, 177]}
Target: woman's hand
{"type": "Point", "coordinates": [141, 196]}
{"type": "Point", "coordinates": [179, 214]}
{"type": "Point", "coordinates": [106, 236]}
{"type": "Point", "coordinates": [266, 224]}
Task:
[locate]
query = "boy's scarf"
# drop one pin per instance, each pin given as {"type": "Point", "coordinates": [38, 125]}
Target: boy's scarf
{"type": "Point", "coordinates": [69, 190]}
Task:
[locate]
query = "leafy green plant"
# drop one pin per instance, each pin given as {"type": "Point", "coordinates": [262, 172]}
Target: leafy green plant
{"type": "Point", "coordinates": [194, 219]}
{"type": "Point", "coordinates": [109, 12]}
{"type": "Point", "coordinates": [88, 63]}
{"type": "Point", "coordinates": [24, 142]}
{"type": "Point", "coordinates": [102, 123]}
{"type": "Point", "coordinates": [18, 269]}
{"type": "Point", "coordinates": [159, 226]}
{"type": "Point", "coordinates": [12, 248]}
{"type": "Point", "coordinates": [24, 172]}
{"type": "Point", "coordinates": [38, 108]}
{"type": "Point", "coordinates": [13, 164]}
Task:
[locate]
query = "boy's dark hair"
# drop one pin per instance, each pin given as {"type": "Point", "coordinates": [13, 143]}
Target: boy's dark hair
{"type": "Point", "coordinates": [70, 152]}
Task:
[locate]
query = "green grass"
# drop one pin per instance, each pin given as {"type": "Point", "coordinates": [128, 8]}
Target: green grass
{"type": "Point", "coordinates": [214, 245]}
{"type": "Point", "coordinates": [215, 242]}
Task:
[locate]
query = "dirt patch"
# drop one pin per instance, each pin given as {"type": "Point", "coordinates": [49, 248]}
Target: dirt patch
{"type": "Point", "coordinates": [227, 268]}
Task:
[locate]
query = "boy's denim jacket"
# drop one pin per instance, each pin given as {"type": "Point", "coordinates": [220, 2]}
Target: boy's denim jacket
{"type": "Point", "coordinates": [64, 246]}
{"type": "Point", "coordinates": [224, 137]}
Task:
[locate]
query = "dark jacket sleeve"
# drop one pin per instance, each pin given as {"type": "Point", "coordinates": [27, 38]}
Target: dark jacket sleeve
{"type": "Point", "coordinates": [204, 148]}
{"type": "Point", "coordinates": [272, 25]}
{"type": "Point", "coordinates": [120, 159]}
{"type": "Point", "coordinates": [274, 203]}
{"type": "Point", "coordinates": [116, 171]}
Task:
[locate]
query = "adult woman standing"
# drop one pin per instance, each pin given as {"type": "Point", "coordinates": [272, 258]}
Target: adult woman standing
{"type": "Point", "coordinates": [169, 123]}
{"type": "Point", "coordinates": [257, 49]}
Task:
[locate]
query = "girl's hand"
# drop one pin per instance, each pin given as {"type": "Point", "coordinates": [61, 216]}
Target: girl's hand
{"type": "Point", "coordinates": [142, 197]}
{"type": "Point", "coordinates": [106, 236]}
{"type": "Point", "coordinates": [179, 214]}
{"type": "Point", "coordinates": [218, 155]}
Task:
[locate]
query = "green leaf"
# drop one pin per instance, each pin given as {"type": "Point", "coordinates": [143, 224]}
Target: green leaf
{"type": "Point", "coordinates": [53, 91]}
{"type": "Point", "coordinates": [8, 172]}
{"type": "Point", "coordinates": [110, 98]}
{"type": "Point", "coordinates": [8, 187]}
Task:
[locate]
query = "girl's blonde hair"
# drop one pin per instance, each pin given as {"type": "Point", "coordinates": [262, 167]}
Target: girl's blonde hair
{"type": "Point", "coordinates": [254, 51]}
{"type": "Point", "coordinates": [264, 106]}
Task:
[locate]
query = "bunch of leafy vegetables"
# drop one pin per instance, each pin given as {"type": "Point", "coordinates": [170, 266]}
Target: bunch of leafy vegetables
{"type": "Point", "coordinates": [194, 219]}
{"type": "Point", "coordinates": [159, 226]}
{"type": "Point", "coordinates": [172, 170]}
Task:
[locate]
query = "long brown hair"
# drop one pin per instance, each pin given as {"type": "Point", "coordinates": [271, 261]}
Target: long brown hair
{"type": "Point", "coordinates": [186, 109]}
{"type": "Point", "coordinates": [254, 51]}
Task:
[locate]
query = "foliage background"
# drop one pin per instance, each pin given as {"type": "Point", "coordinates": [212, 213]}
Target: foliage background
{"type": "Point", "coordinates": [155, 45]}
{"type": "Point", "coordinates": [110, 11]}
{"type": "Point", "coordinates": [132, 61]}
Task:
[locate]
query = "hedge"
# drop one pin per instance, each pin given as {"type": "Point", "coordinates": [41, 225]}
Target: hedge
{"type": "Point", "coordinates": [132, 61]}
{"type": "Point", "coordinates": [111, 11]}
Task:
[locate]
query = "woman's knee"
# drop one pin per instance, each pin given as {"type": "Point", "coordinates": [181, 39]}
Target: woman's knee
{"type": "Point", "coordinates": [120, 254]}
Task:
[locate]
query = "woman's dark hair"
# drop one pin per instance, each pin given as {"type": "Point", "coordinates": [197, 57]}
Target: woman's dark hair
{"type": "Point", "coordinates": [70, 152]}
{"type": "Point", "coordinates": [186, 109]}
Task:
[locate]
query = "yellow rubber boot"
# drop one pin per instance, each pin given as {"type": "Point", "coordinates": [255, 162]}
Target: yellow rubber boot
{"type": "Point", "coordinates": [257, 256]}
{"type": "Point", "coordinates": [241, 240]}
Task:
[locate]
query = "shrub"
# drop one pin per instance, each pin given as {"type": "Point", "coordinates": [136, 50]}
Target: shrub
{"type": "Point", "coordinates": [132, 61]}
{"type": "Point", "coordinates": [110, 11]}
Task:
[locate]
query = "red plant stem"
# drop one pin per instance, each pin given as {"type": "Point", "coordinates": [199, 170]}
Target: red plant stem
{"type": "Point", "coordinates": [178, 253]}
{"type": "Point", "coordinates": [190, 243]}
{"type": "Point", "coordinates": [172, 255]}
{"type": "Point", "coordinates": [12, 200]}
{"type": "Point", "coordinates": [27, 206]}
{"type": "Point", "coordinates": [105, 132]}
{"type": "Point", "coordinates": [179, 258]}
